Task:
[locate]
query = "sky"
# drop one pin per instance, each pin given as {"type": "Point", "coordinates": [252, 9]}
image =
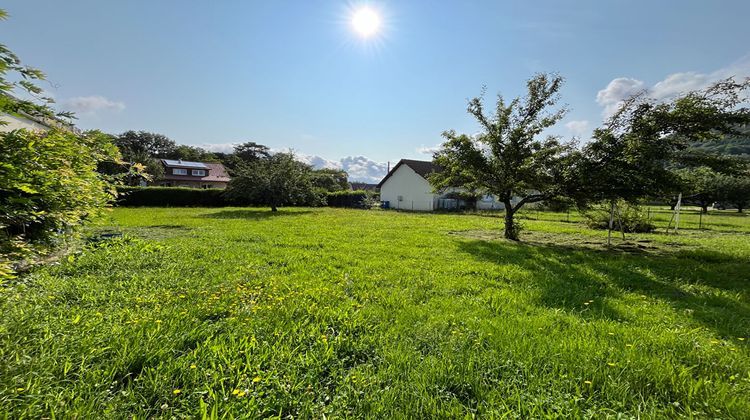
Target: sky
{"type": "Point", "coordinates": [297, 75]}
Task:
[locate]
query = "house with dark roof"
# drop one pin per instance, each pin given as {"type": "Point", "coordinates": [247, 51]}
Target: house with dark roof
{"type": "Point", "coordinates": [182, 173]}
{"type": "Point", "coordinates": [406, 187]}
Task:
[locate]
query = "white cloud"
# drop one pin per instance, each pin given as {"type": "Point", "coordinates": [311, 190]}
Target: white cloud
{"type": "Point", "coordinates": [92, 104]}
{"type": "Point", "coordinates": [218, 147]}
{"type": "Point", "coordinates": [579, 128]}
{"type": "Point", "coordinates": [616, 91]}
{"type": "Point", "coordinates": [674, 84]}
{"type": "Point", "coordinates": [428, 150]}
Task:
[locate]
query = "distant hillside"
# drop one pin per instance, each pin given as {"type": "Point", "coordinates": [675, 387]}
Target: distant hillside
{"type": "Point", "coordinates": [735, 145]}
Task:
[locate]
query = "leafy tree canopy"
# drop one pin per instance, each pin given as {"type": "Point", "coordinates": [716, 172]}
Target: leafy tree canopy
{"type": "Point", "coordinates": [631, 156]}
{"type": "Point", "coordinates": [274, 180]}
{"type": "Point", "coordinates": [506, 158]}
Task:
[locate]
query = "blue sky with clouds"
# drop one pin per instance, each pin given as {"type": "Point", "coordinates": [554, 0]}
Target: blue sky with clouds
{"type": "Point", "coordinates": [293, 74]}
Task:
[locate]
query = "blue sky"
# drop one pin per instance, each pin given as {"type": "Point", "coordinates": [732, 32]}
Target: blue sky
{"type": "Point", "coordinates": [293, 74]}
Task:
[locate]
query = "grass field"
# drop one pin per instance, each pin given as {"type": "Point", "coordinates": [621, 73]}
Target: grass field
{"type": "Point", "coordinates": [344, 313]}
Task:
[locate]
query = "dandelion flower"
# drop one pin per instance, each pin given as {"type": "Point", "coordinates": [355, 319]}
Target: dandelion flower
{"type": "Point", "coordinates": [235, 392]}
{"type": "Point", "coordinates": [177, 391]}
{"type": "Point", "coordinates": [256, 379]}
{"type": "Point", "coordinates": [193, 366]}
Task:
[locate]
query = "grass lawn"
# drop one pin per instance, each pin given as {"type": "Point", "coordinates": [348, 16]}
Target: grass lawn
{"type": "Point", "coordinates": [348, 313]}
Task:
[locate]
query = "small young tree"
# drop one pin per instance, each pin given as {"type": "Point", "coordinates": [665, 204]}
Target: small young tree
{"type": "Point", "coordinates": [275, 180]}
{"type": "Point", "coordinates": [506, 159]}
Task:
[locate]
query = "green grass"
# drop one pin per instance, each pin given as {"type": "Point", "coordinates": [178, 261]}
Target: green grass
{"type": "Point", "coordinates": [345, 313]}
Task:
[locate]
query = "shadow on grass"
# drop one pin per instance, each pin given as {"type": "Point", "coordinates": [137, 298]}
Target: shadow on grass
{"type": "Point", "coordinates": [567, 277]}
{"type": "Point", "coordinates": [253, 214]}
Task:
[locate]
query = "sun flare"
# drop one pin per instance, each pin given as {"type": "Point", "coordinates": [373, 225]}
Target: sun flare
{"type": "Point", "coordinates": [366, 22]}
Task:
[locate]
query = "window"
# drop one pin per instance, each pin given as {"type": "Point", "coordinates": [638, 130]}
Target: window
{"type": "Point", "coordinates": [199, 172]}
{"type": "Point", "coordinates": [177, 171]}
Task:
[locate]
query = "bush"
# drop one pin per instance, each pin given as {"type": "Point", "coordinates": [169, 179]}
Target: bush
{"type": "Point", "coordinates": [634, 220]}
{"type": "Point", "coordinates": [171, 197]}
{"type": "Point", "coordinates": [48, 188]}
{"type": "Point", "coordinates": [353, 199]}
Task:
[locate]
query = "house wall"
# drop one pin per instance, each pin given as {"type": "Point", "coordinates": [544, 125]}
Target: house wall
{"type": "Point", "coordinates": [17, 123]}
{"type": "Point", "coordinates": [415, 191]}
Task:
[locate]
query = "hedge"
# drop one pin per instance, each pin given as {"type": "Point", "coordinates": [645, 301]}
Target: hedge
{"type": "Point", "coordinates": [170, 196]}
{"type": "Point", "coordinates": [356, 199]}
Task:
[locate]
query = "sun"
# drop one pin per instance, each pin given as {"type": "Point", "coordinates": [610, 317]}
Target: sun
{"type": "Point", "coordinates": [366, 22]}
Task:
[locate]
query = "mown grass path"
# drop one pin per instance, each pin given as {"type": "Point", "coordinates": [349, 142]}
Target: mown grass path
{"type": "Point", "coordinates": [347, 313]}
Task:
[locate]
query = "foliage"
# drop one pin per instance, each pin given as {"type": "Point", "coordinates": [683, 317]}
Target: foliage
{"type": "Point", "coordinates": [737, 144]}
{"type": "Point", "coordinates": [48, 187]}
{"type": "Point", "coordinates": [629, 158]}
{"type": "Point", "coordinates": [341, 313]}
{"type": "Point", "coordinates": [353, 199]}
{"type": "Point", "coordinates": [734, 190]}
{"type": "Point", "coordinates": [245, 154]}
{"type": "Point", "coordinates": [138, 145]}
{"type": "Point", "coordinates": [700, 186]}
{"type": "Point", "coordinates": [506, 159]}
{"type": "Point", "coordinates": [171, 197]}
{"type": "Point", "coordinates": [275, 180]}
{"type": "Point", "coordinates": [330, 180]}
{"type": "Point", "coordinates": [632, 217]}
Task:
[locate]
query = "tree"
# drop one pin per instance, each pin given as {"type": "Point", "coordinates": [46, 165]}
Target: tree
{"type": "Point", "coordinates": [244, 154]}
{"type": "Point", "coordinates": [506, 159]}
{"type": "Point", "coordinates": [275, 180]}
{"type": "Point", "coordinates": [633, 155]}
{"type": "Point", "coordinates": [700, 185]}
{"type": "Point", "coordinates": [330, 180]}
{"type": "Point", "coordinates": [141, 144]}
{"type": "Point", "coordinates": [191, 153]}
{"type": "Point", "coordinates": [48, 180]}
{"type": "Point", "coordinates": [735, 190]}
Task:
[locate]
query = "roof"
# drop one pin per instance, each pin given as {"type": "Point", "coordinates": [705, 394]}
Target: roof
{"type": "Point", "coordinates": [423, 168]}
{"type": "Point", "coordinates": [183, 164]}
{"type": "Point", "coordinates": [216, 172]}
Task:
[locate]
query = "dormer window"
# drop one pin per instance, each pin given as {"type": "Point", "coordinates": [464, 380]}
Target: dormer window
{"type": "Point", "coordinates": [178, 171]}
{"type": "Point", "coordinates": [199, 172]}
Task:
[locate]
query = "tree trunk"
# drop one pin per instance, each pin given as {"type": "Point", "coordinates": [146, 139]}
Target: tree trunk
{"type": "Point", "coordinates": [273, 205]}
{"type": "Point", "coordinates": [510, 229]}
{"type": "Point", "coordinates": [704, 208]}
{"type": "Point", "coordinates": [739, 209]}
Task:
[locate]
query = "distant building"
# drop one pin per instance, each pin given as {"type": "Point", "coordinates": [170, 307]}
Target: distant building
{"type": "Point", "coordinates": [406, 187]}
{"type": "Point", "coordinates": [363, 186]}
{"type": "Point", "coordinates": [181, 173]}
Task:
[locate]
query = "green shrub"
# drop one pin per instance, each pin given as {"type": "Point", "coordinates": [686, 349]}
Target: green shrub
{"type": "Point", "coordinates": [171, 197]}
{"type": "Point", "coordinates": [634, 219]}
{"type": "Point", "coordinates": [48, 188]}
{"type": "Point", "coordinates": [353, 199]}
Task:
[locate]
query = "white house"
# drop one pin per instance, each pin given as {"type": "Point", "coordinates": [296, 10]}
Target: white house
{"type": "Point", "coordinates": [405, 187]}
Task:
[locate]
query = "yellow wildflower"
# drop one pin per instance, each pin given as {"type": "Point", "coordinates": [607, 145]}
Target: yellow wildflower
{"type": "Point", "coordinates": [256, 379]}
{"type": "Point", "coordinates": [177, 391]}
{"type": "Point", "coordinates": [193, 366]}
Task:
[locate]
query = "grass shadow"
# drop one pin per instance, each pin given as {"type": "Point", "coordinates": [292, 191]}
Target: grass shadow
{"type": "Point", "coordinates": [692, 281]}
